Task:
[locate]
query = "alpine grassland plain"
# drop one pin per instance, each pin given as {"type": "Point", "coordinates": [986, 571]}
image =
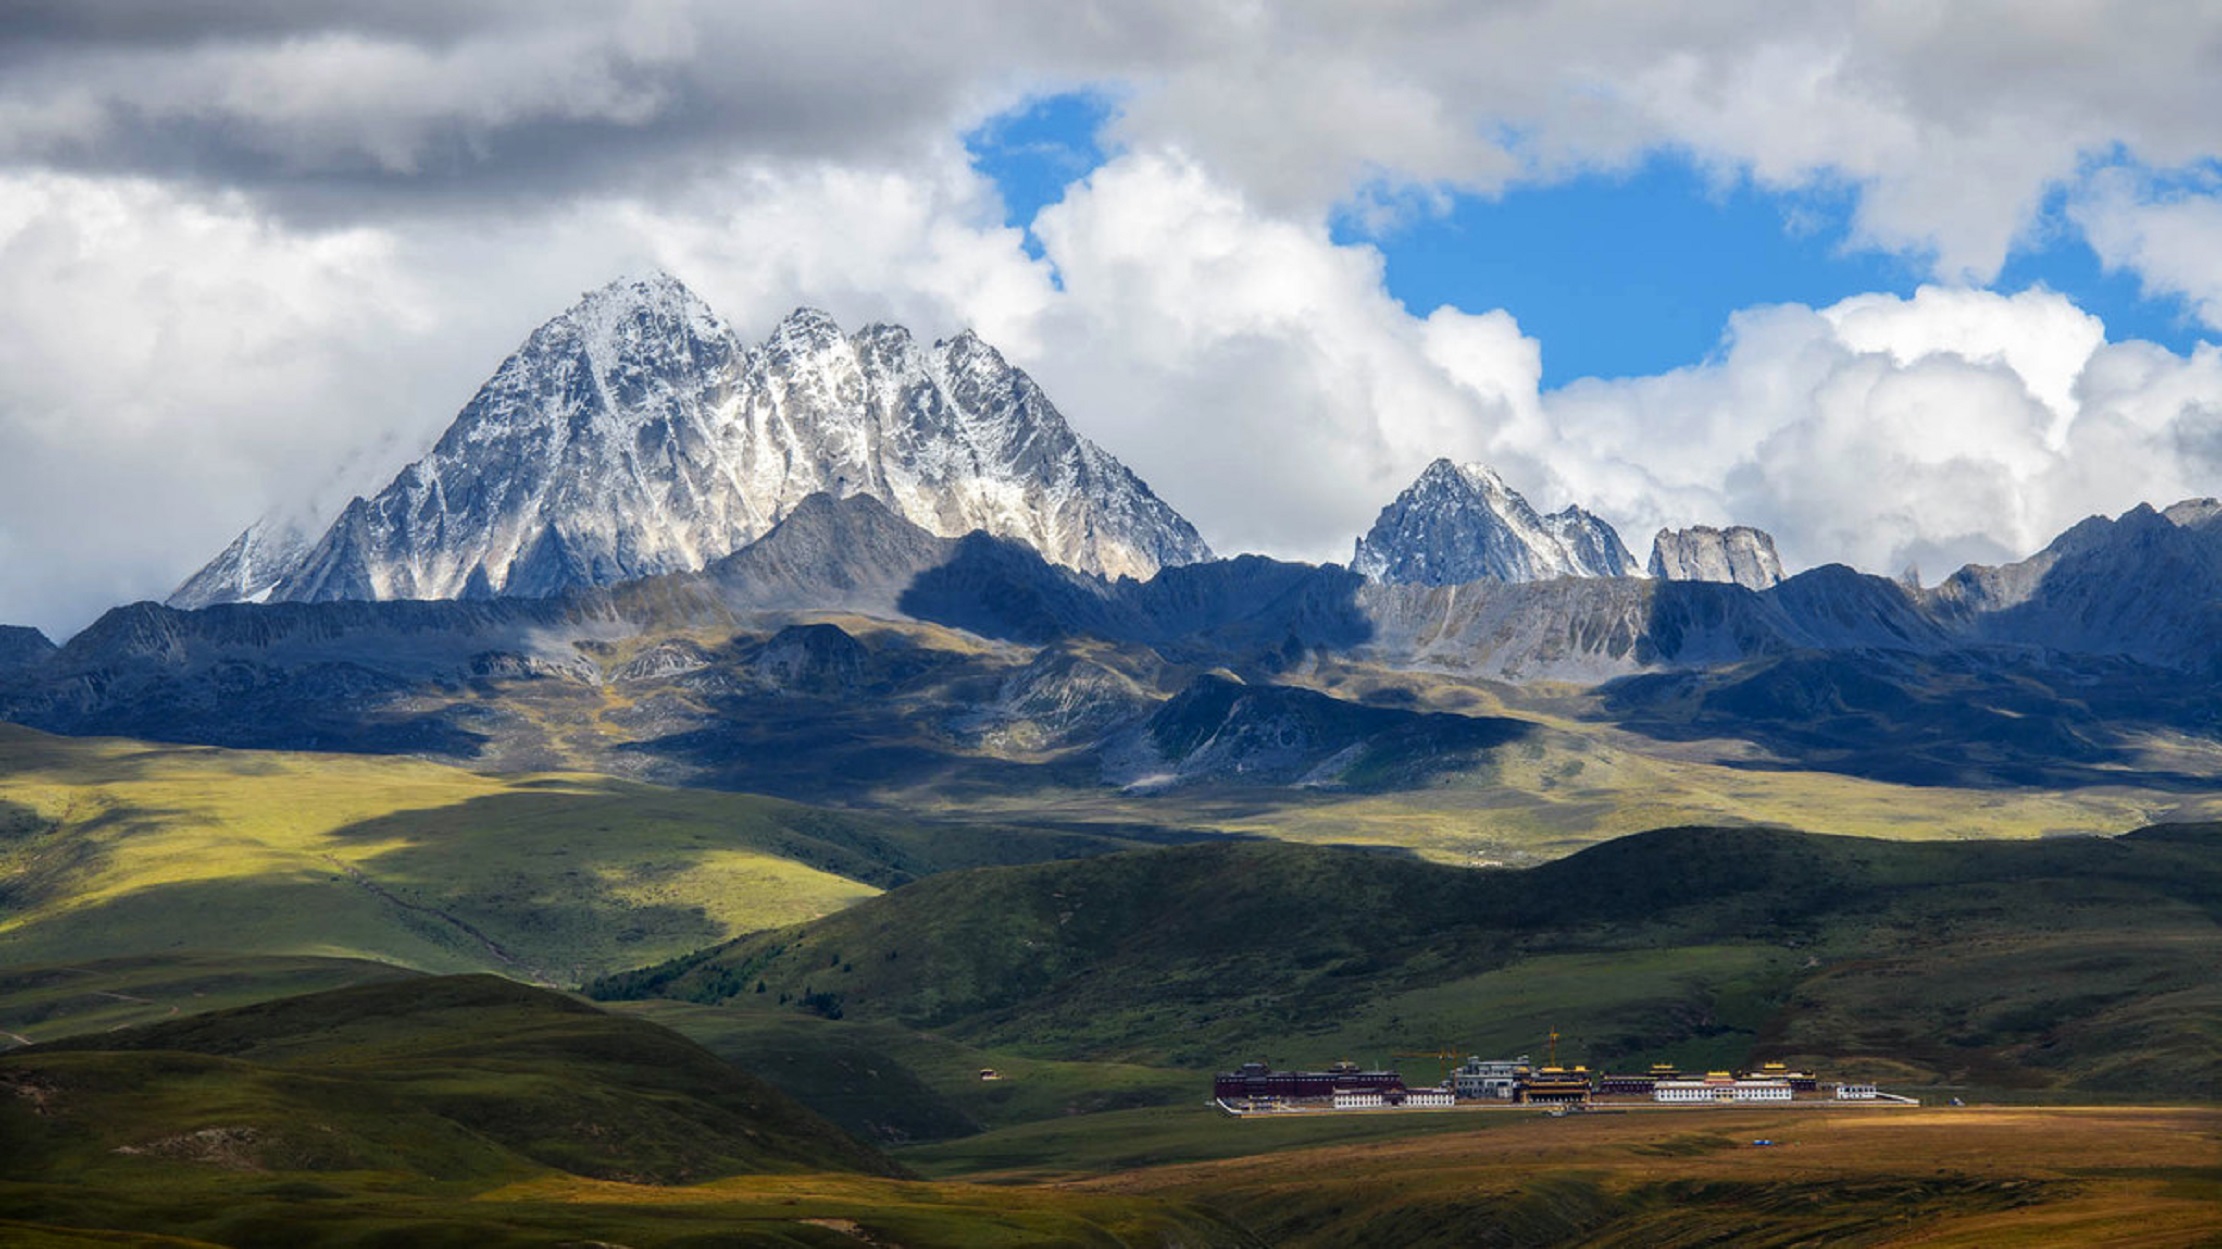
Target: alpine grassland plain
{"type": "Point", "coordinates": [113, 848]}
{"type": "Point", "coordinates": [2143, 1177]}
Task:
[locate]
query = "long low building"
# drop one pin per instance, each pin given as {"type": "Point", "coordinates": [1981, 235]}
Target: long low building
{"type": "Point", "coordinates": [1720, 1086]}
{"type": "Point", "coordinates": [1257, 1082]}
{"type": "Point", "coordinates": [1345, 1086]}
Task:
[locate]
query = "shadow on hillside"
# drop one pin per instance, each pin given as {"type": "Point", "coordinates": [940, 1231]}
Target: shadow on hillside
{"type": "Point", "coordinates": [1235, 612]}
{"type": "Point", "coordinates": [326, 707]}
{"type": "Point", "coordinates": [831, 752]}
{"type": "Point", "coordinates": [1965, 718]}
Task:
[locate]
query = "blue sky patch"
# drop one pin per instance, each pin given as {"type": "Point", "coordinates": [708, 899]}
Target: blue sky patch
{"type": "Point", "coordinates": [1038, 149]}
{"type": "Point", "coordinates": [1617, 275]}
{"type": "Point", "coordinates": [1636, 274]}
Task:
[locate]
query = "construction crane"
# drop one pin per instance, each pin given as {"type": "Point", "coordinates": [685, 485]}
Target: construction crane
{"type": "Point", "coordinates": [1443, 1059]}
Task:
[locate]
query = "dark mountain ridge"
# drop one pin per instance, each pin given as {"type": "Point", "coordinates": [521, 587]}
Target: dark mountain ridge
{"type": "Point", "coordinates": [2036, 667]}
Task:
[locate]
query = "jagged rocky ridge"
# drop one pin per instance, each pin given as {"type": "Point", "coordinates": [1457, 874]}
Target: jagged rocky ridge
{"type": "Point", "coordinates": [1462, 523]}
{"type": "Point", "coordinates": [2147, 584]}
{"type": "Point", "coordinates": [635, 435]}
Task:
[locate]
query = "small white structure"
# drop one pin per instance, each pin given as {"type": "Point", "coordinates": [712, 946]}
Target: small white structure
{"type": "Point", "coordinates": [1358, 1099]}
{"type": "Point", "coordinates": [1423, 1099]}
{"type": "Point", "coordinates": [1856, 1092]}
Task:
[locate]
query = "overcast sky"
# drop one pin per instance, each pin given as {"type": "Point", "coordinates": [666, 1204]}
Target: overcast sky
{"type": "Point", "coordinates": [1901, 282]}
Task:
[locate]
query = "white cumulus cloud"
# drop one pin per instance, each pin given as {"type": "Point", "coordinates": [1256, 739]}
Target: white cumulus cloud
{"type": "Point", "coordinates": [256, 254]}
{"type": "Point", "coordinates": [1953, 426]}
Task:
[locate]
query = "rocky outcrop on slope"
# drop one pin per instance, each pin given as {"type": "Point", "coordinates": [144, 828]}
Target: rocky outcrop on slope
{"type": "Point", "coordinates": [1462, 523]}
{"type": "Point", "coordinates": [1738, 555]}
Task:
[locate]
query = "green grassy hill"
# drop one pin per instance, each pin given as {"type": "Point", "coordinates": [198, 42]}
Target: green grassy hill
{"type": "Point", "coordinates": [469, 1111]}
{"type": "Point", "coordinates": [114, 849]}
{"type": "Point", "coordinates": [899, 1087]}
{"type": "Point", "coordinates": [2023, 964]}
{"type": "Point", "coordinates": [51, 1001]}
{"type": "Point", "coordinates": [461, 1076]}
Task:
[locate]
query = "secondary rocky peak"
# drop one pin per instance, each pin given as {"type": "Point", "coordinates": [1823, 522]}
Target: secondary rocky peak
{"type": "Point", "coordinates": [635, 434]}
{"type": "Point", "coordinates": [1461, 522]}
{"type": "Point", "coordinates": [22, 646]}
{"type": "Point", "coordinates": [2194, 513]}
{"type": "Point", "coordinates": [805, 331]}
{"type": "Point", "coordinates": [1739, 554]}
{"type": "Point", "coordinates": [247, 570]}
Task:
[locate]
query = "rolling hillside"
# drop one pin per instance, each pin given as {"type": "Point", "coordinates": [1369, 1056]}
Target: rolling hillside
{"type": "Point", "coordinates": [2078, 963]}
{"type": "Point", "coordinates": [468, 1111]}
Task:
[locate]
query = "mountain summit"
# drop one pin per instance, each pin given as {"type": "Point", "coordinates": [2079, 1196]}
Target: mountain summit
{"type": "Point", "coordinates": [1461, 523]}
{"type": "Point", "coordinates": [635, 435]}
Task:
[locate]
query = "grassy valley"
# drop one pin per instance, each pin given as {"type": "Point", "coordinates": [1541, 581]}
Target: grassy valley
{"type": "Point", "coordinates": [473, 1111]}
{"type": "Point", "coordinates": [221, 957]}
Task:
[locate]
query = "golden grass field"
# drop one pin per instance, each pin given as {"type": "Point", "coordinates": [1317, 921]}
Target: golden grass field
{"type": "Point", "coordinates": [2149, 1177]}
{"type": "Point", "coordinates": [116, 847]}
{"type": "Point", "coordinates": [1976, 1178]}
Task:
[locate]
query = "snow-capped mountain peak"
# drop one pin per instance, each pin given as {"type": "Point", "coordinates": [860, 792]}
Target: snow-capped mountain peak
{"type": "Point", "coordinates": [1461, 522]}
{"type": "Point", "coordinates": [635, 434]}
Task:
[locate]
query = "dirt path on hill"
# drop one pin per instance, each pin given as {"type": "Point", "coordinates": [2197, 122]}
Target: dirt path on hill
{"type": "Point", "coordinates": [463, 926]}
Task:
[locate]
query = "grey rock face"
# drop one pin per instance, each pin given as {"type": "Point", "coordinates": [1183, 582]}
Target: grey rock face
{"type": "Point", "coordinates": [1738, 555]}
{"type": "Point", "coordinates": [1462, 523]}
{"type": "Point", "coordinates": [635, 435]}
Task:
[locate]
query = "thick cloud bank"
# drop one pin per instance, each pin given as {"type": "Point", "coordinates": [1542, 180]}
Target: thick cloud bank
{"type": "Point", "coordinates": [253, 255]}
